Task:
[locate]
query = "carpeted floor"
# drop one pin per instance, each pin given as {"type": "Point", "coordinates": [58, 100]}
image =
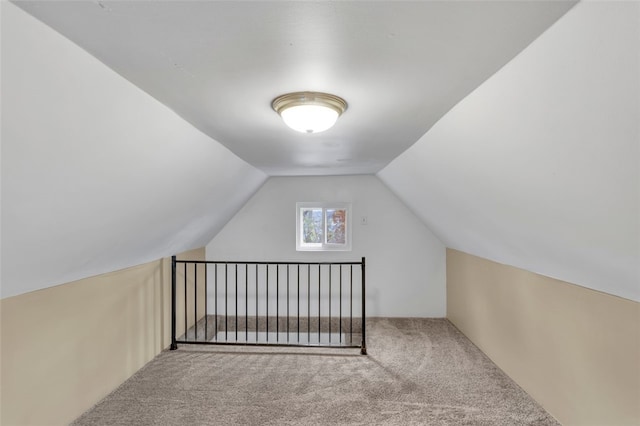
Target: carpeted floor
{"type": "Point", "coordinates": [418, 372]}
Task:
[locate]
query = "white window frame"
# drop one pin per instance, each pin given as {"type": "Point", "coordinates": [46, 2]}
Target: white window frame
{"type": "Point", "coordinates": [323, 246]}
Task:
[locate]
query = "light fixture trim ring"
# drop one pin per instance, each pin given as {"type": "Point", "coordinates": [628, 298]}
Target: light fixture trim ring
{"type": "Point", "coordinates": [327, 100]}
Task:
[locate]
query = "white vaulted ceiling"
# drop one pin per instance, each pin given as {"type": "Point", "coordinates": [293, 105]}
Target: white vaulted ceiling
{"type": "Point", "coordinates": [96, 174]}
{"type": "Point", "coordinates": [219, 64]}
{"type": "Point", "coordinates": [509, 127]}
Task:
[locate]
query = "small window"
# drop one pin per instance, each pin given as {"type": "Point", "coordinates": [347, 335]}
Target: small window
{"type": "Point", "coordinates": [323, 226]}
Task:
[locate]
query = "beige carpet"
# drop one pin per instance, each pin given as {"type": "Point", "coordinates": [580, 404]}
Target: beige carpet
{"type": "Point", "coordinates": [418, 372]}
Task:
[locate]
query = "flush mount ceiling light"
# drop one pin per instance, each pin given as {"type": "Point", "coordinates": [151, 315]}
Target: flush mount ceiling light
{"type": "Point", "coordinates": [309, 112]}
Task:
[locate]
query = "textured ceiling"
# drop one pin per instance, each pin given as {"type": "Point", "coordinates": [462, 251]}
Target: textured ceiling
{"type": "Point", "coordinates": [400, 65]}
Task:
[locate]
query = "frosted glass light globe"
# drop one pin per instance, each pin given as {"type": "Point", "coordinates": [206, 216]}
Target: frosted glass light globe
{"type": "Point", "coordinates": [309, 118]}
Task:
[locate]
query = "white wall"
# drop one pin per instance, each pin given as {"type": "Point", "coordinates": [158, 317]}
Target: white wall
{"type": "Point", "coordinates": [405, 261]}
{"type": "Point", "coordinates": [97, 175]}
{"type": "Point", "coordinates": [538, 167]}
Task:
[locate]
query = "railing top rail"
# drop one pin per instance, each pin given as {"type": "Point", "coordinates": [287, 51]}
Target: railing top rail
{"type": "Point", "coordinates": [261, 262]}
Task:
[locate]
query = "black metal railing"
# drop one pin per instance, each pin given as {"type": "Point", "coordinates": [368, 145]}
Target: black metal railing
{"type": "Point", "coordinates": [318, 304]}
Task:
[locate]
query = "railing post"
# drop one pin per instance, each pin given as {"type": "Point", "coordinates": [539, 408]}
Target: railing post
{"type": "Point", "coordinates": [363, 347]}
{"type": "Point", "coordinates": [174, 346]}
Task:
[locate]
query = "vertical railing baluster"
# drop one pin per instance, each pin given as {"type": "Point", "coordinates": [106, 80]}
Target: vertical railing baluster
{"type": "Point", "coordinates": [186, 337]}
{"type": "Point", "coordinates": [246, 302]}
{"type": "Point", "coordinates": [319, 296]}
{"type": "Point", "coordinates": [298, 298]}
{"type": "Point", "coordinates": [257, 303]}
{"type": "Point", "coordinates": [206, 302]}
{"type": "Point", "coordinates": [363, 348]}
{"type": "Point", "coordinates": [330, 273]}
{"type": "Point", "coordinates": [174, 345]}
{"type": "Point", "coordinates": [308, 303]}
{"type": "Point", "coordinates": [215, 304]}
{"type": "Point", "coordinates": [340, 305]}
{"type": "Point", "coordinates": [277, 302]}
{"type": "Point", "coordinates": [226, 305]}
{"type": "Point", "coordinates": [267, 267]}
{"type": "Point", "coordinates": [351, 305]}
{"type": "Point", "coordinates": [236, 312]}
{"type": "Point", "coordinates": [195, 301]}
{"type": "Point", "coordinates": [287, 303]}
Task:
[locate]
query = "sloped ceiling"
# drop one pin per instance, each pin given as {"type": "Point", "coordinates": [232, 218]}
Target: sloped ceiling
{"type": "Point", "coordinates": [96, 174]}
{"type": "Point", "coordinates": [219, 64]}
{"type": "Point", "coordinates": [539, 166]}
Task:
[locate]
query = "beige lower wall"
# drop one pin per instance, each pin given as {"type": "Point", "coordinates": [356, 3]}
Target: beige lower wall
{"type": "Point", "coordinates": [66, 347]}
{"type": "Point", "coordinates": [575, 350]}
